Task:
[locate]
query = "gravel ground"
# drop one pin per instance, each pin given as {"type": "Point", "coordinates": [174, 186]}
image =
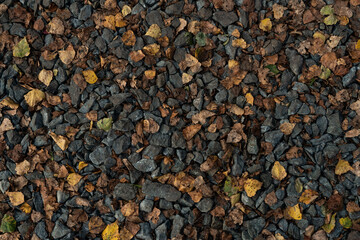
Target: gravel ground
{"type": "Point", "coordinates": [209, 119]}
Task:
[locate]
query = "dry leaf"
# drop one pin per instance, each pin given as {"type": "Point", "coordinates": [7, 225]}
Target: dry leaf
{"type": "Point", "coordinates": [73, 179]}
{"type": "Point", "coordinates": [357, 46]}
{"type": "Point", "coordinates": [137, 55]}
{"type": "Point", "coordinates": [129, 209]}
{"type": "Point", "coordinates": [235, 109]}
{"type": "Point", "coordinates": [249, 98]}
{"type": "Point", "coordinates": [67, 55]}
{"type": "Point", "coordinates": [90, 76]}
{"type": "Point", "coordinates": [294, 212]}
{"type": "Point", "coordinates": [96, 225]}
{"type": "Point", "coordinates": [278, 11]}
{"type": "Point", "coordinates": [6, 125]}
{"type": "Point", "coordinates": [22, 168]}
{"type": "Point", "coordinates": [34, 97]}
{"type": "Point", "coordinates": [111, 232]}
{"type": "Point", "coordinates": [129, 38]}
{"type": "Point", "coordinates": [184, 182]}
{"type": "Point", "coordinates": [287, 128]}
{"type": "Point", "coordinates": [150, 126]}
{"type": "Point", "coordinates": [126, 10]}
{"type": "Point", "coordinates": [56, 26]}
{"type": "Point", "coordinates": [21, 49]}
{"type": "Point", "coordinates": [8, 102]}
{"type": "Point", "coordinates": [82, 165]}
{"type": "Point", "coordinates": [150, 74]}
{"type": "Point", "coordinates": [239, 43]}
{"type": "Point", "coordinates": [265, 25]}
{"type": "Point", "coordinates": [61, 141]}
{"type": "Point", "coordinates": [154, 215]}
{"type": "Point", "coordinates": [308, 196]}
{"type": "Point", "coordinates": [352, 133]}
{"type": "Point", "coordinates": [125, 234]}
{"type": "Point", "coordinates": [342, 167]}
{"type": "Point", "coordinates": [152, 49]}
{"type": "Point", "coordinates": [186, 78]}
{"type": "Point", "coordinates": [45, 76]}
{"type": "Point", "coordinates": [356, 168]}
{"type": "Point", "coordinates": [110, 22]}
{"type": "Point", "coordinates": [196, 196]}
{"type": "Point", "coordinates": [190, 131]}
{"type": "Point", "coordinates": [154, 31]}
{"type": "Point", "coordinates": [278, 172]}
{"type": "Point", "coordinates": [26, 208]}
{"type": "Point", "coordinates": [201, 116]}
{"type": "Point", "coordinates": [251, 186]}
{"type": "Point", "coordinates": [16, 198]}
{"type": "Point", "coordinates": [334, 41]}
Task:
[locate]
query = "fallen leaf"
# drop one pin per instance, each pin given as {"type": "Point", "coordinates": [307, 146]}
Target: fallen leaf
{"type": "Point", "coordinates": [150, 74]}
{"type": "Point", "coordinates": [356, 168]}
{"type": "Point", "coordinates": [105, 124]}
{"type": "Point", "coordinates": [130, 209]}
{"type": "Point", "coordinates": [6, 125]}
{"type": "Point", "coordinates": [26, 208]}
{"type": "Point", "coordinates": [137, 55]}
{"type": "Point", "coordinates": [45, 76]}
{"type": "Point", "coordinates": [153, 216]}
{"type": "Point", "coordinates": [184, 182]}
{"type": "Point", "coordinates": [119, 21]}
{"type": "Point", "coordinates": [327, 10]}
{"type": "Point", "coordinates": [249, 98]}
{"type": "Point", "coordinates": [196, 196]}
{"type": "Point", "coordinates": [235, 109]}
{"type": "Point", "coordinates": [335, 202]}
{"type": "Point", "coordinates": [271, 199]}
{"type": "Point", "coordinates": [110, 4]}
{"type": "Point", "coordinates": [190, 131]}
{"type": "Point", "coordinates": [152, 49]}
{"type": "Point", "coordinates": [129, 38]}
{"type": "Point", "coordinates": [150, 126]}
{"type": "Point", "coordinates": [334, 41]}
{"type": "Point", "coordinates": [110, 22]}
{"type": "Point", "coordinates": [111, 232]}
{"type": "Point", "coordinates": [8, 224]}
{"type": "Point", "coordinates": [342, 167]}
{"type": "Point", "coordinates": [278, 172]}
{"type": "Point", "coordinates": [287, 128]}
{"type": "Point", "coordinates": [125, 234]}
{"type": "Point", "coordinates": [61, 141]}
{"type": "Point", "coordinates": [265, 25]}
{"type": "Point", "coordinates": [357, 46]}
{"type": "Point", "coordinates": [294, 212]}
{"type": "Point", "coordinates": [308, 196]}
{"type": "Point", "coordinates": [278, 10]}
{"type": "Point", "coordinates": [82, 165]}
{"type": "Point", "coordinates": [90, 76]}
{"type": "Point", "coordinates": [34, 97]}
{"type": "Point", "coordinates": [229, 187]}
{"type": "Point", "coordinates": [298, 185]}
{"type": "Point", "coordinates": [201, 39]}
{"type": "Point", "coordinates": [186, 78]}
{"type": "Point", "coordinates": [331, 20]}
{"type": "Point", "coordinates": [345, 222]}
{"type": "Point", "coordinates": [8, 102]}
{"type": "Point", "coordinates": [154, 31]}
{"type": "Point", "coordinates": [22, 167]}
{"type": "Point", "coordinates": [201, 116]}
{"type": "Point", "coordinates": [331, 225]}
{"type": "Point", "coordinates": [21, 49]}
{"type": "Point", "coordinates": [239, 43]}
{"type": "Point", "coordinates": [96, 225]}
{"type": "Point", "coordinates": [251, 186]}
{"type": "Point", "coordinates": [67, 55]}
{"type": "Point", "coordinates": [56, 26]}
{"type": "Point", "coordinates": [73, 179]}
{"type": "Point", "coordinates": [126, 10]}
{"type": "Point", "coordinates": [16, 198]}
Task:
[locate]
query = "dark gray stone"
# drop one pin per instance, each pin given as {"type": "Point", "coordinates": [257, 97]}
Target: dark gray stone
{"type": "Point", "coordinates": [334, 127]}
{"type": "Point", "coordinates": [205, 205]}
{"type": "Point", "coordinates": [60, 230]}
{"type": "Point", "coordinates": [121, 144]}
{"type": "Point", "coordinates": [272, 46]}
{"type": "Point", "coordinates": [99, 155]}
{"type": "Point", "coordinates": [165, 191]}
{"type": "Point", "coordinates": [175, 9]}
{"type": "Point", "coordinates": [146, 205]}
{"type": "Point", "coordinates": [123, 125]}
{"type": "Point", "coordinates": [145, 165]}
{"type": "Point", "coordinates": [225, 18]}
{"type": "Point", "coordinates": [124, 191]}
{"type": "Point", "coordinates": [252, 146]}
{"type": "Point", "coordinates": [85, 12]}
{"type": "Point", "coordinates": [295, 60]}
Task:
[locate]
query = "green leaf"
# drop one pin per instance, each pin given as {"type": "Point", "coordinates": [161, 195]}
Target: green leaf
{"type": "Point", "coordinates": [273, 68]}
{"type": "Point", "coordinates": [327, 10]}
{"type": "Point", "coordinates": [189, 38]}
{"type": "Point", "coordinates": [331, 225]}
{"type": "Point", "coordinates": [229, 188]}
{"type": "Point", "coordinates": [8, 224]}
{"type": "Point", "coordinates": [201, 39]}
{"type": "Point", "coordinates": [325, 73]}
{"type": "Point", "coordinates": [235, 199]}
{"type": "Point", "coordinates": [298, 185]}
{"type": "Point", "coordinates": [105, 124]}
{"type": "Point", "coordinates": [346, 222]}
{"type": "Point", "coordinates": [21, 49]}
{"type": "Point", "coordinates": [330, 20]}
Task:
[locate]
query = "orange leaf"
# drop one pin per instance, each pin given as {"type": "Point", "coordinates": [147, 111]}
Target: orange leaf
{"type": "Point", "coordinates": [129, 38]}
{"type": "Point", "coordinates": [308, 196]}
{"type": "Point", "coordinates": [278, 171]}
{"type": "Point", "coordinates": [251, 186]}
{"type": "Point", "coordinates": [294, 212]}
{"type": "Point", "coordinates": [342, 167]}
{"type": "Point", "coordinates": [73, 178]}
{"type": "Point", "coordinates": [190, 131]}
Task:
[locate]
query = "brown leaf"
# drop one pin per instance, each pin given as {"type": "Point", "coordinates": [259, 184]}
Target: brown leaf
{"type": "Point", "coordinates": [110, 4]}
{"type": "Point", "coordinates": [202, 116]}
{"type": "Point", "coordinates": [278, 11]}
{"type": "Point", "coordinates": [6, 125]}
{"type": "Point", "coordinates": [196, 196]}
{"type": "Point", "coordinates": [137, 55]}
{"type": "Point", "coordinates": [342, 167]}
{"type": "Point", "coordinates": [150, 126]}
{"type": "Point", "coordinates": [352, 207]}
{"type": "Point", "coordinates": [154, 215]}
{"type": "Point", "coordinates": [190, 131]}
{"type": "Point", "coordinates": [96, 225]}
{"type": "Point", "coordinates": [287, 128]}
{"type": "Point", "coordinates": [184, 182]}
{"type": "Point", "coordinates": [210, 164]}
{"type": "Point", "coordinates": [45, 76]}
{"type": "Point", "coordinates": [130, 209]}
{"type": "Point", "coordinates": [67, 55]}
{"type": "Point", "coordinates": [73, 179]}
{"type": "Point", "coordinates": [129, 38]}
{"type": "Point", "coordinates": [335, 202]}
{"type": "Point", "coordinates": [308, 196]}
{"type": "Point", "coordinates": [271, 199]}
{"type": "Point", "coordinates": [61, 141]}
{"type": "Point", "coordinates": [92, 115]}
{"type": "Point", "coordinates": [16, 198]}
{"type": "Point", "coordinates": [186, 78]}
{"type": "Point", "coordinates": [329, 60]}
{"type": "Point", "coordinates": [56, 26]}
{"type": "Point", "coordinates": [34, 97]}
{"type": "Point", "coordinates": [278, 172]}
{"type": "Point", "coordinates": [22, 168]}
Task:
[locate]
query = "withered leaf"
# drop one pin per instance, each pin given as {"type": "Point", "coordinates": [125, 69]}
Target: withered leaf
{"type": "Point", "coordinates": [34, 97]}
{"type": "Point", "coordinates": [16, 198]}
{"type": "Point", "coordinates": [278, 171]}
{"type": "Point", "coordinates": [67, 55]}
{"type": "Point", "coordinates": [56, 26]}
{"type": "Point", "coordinates": [129, 38]}
{"type": "Point", "coordinates": [308, 196]}
{"type": "Point", "coordinates": [22, 167]}
{"type": "Point", "coordinates": [190, 131]}
{"type": "Point", "coordinates": [45, 76]}
{"type": "Point", "coordinates": [287, 128]}
{"type": "Point", "coordinates": [251, 186]}
{"type": "Point", "coordinates": [61, 141]}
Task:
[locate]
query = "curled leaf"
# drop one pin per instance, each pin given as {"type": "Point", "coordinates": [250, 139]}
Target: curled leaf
{"type": "Point", "coordinates": [61, 141]}
{"type": "Point", "coordinates": [331, 225]}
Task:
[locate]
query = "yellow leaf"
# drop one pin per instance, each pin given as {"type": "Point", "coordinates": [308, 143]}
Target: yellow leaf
{"type": "Point", "coordinates": [319, 35]}
{"type": "Point", "coordinates": [16, 198]}
{"type": "Point", "coordinates": [73, 178]}
{"type": "Point", "coordinates": [345, 222]}
{"type": "Point", "coordinates": [9, 103]}
{"type": "Point", "coordinates": [186, 78]}
{"type": "Point", "coordinates": [45, 76]}
{"type": "Point", "coordinates": [152, 49]}
{"type": "Point", "coordinates": [265, 25]}
{"type": "Point", "coordinates": [154, 31]}
{"type": "Point", "coordinates": [66, 56]}
{"type": "Point", "coordinates": [251, 186]}
{"type": "Point", "coordinates": [239, 43]}
{"type": "Point", "coordinates": [26, 208]}
{"type": "Point", "coordinates": [111, 232]}
{"type": "Point", "coordinates": [82, 165]}
{"type": "Point", "coordinates": [22, 168]}
{"type": "Point", "coordinates": [331, 225]}
{"type": "Point", "coordinates": [287, 128]}
{"type": "Point", "coordinates": [278, 172]}
{"type": "Point", "coordinates": [119, 21]}
{"type": "Point", "coordinates": [249, 98]}
{"type": "Point", "coordinates": [34, 97]}
{"type": "Point", "coordinates": [342, 167]}
{"type": "Point", "coordinates": [150, 74]}
{"type": "Point", "coordinates": [21, 49]}
{"type": "Point", "coordinates": [308, 196]}
{"type": "Point", "coordinates": [233, 63]}
{"type": "Point", "coordinates": [110, 22]}
{"type": "Point", "coordinates": [294, 212]}
{"type": "Point", "coordinates": [357, 47]}
{"type": "Point", "coordinates": [61, 141]}
{"type": "Point", "coordinates": [126, 10]}
{"type": "Point", "coordinates": [90, 76]}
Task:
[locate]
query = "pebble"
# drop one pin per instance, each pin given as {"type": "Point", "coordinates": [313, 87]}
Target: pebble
{"type": "Point", "coordinates": [145, 165]}
{"type": "Point", "coordinates": [165, 191]}
{"type": "Point", "coordinates": [124, 191]}
{"type": "Point", "coordinates": [225, 18]}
